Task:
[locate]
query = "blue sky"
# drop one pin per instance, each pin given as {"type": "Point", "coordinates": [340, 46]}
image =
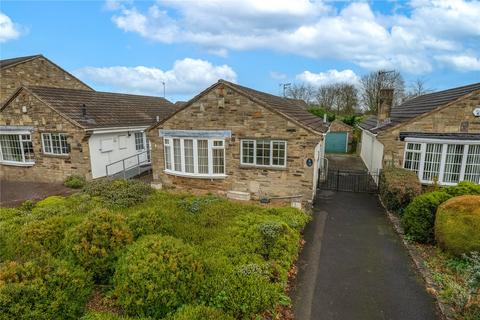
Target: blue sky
{"type": "Point", "coordinates": [129, 46]}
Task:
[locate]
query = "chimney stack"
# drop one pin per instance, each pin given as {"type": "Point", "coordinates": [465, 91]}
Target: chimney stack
{"type": "Point", "coordinates": [158, 118]}
{"type": "Point", "coordinates": [384, 106]}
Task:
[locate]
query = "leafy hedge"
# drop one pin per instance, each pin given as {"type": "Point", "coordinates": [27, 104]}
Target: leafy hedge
{"type": "Point", "coordinates": [157, 275]}
{"type": "Point", "coordinates": [457, 228]}
{"type": "Point", "coordinates": [118, 193]}
{"type": "Point", "coordinates": [398, 187]}
{"type": "Point", "coordinates": [75, 181]}
{"type": "Point", "coordinates": [97, 242]}
{"type": "Point", "coordinates": [199, 312]}
{"type": "Point", "coordinates": [43, 288]}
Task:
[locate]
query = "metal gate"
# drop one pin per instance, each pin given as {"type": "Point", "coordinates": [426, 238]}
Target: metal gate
{"type": "Point", "coordinates": [347, 180]}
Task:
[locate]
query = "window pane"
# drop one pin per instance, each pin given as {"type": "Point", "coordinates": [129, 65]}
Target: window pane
{"type": "Point", "coordinates": [472, 167]}
{"type": "Point", "coordinates": [453, 163]}
{"type": "Point", "coordinates": [11, 147]}
{"type": "Point", "coordinates": [139, 141]}
{"type": "Point", "coordinates": [248, 149]}
{"type": "Point", "coordinates": [412, 158]}
{"type": "Point", "coordinates": [27, 148]}
{"type": "Point", "coordinates": [202, 150]}
{"type": "Point", "coordinates": [56, 149]}
{"type": "Point", "coordinates": [188, 153]}
{"type": "Point", "coordinates": [177, 156]}
{"type": "Point", "coordinates": [263, 152]}
{"type": "Point", "coordinates": [433, 155]}
{"type": "Point", "coordinates": [278, 150]}
{"type": "Point", "coordinates": [47, 143]}
{"type": "Point", "coordinates": [168, 155]}
{"type": "Point", "coordinates": [218, 161]}
{"type": "Point", "coordinates": [64, 144]}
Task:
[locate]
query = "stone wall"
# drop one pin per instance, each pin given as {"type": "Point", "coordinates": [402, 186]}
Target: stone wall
{"type": "Point", "coordinates": [455, 118]}
{"type": "Point", "coordinates": [47, 168]}
{"type": "Point", "coordinates": [36, 72]}
{"type": "Point", "coordinates": [245, 119]}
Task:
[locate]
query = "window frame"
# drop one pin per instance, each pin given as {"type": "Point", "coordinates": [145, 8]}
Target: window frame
{"type": "Point", "coordinates": [144, 145]}
{"type": "Point", "coordinates": [168, 142]}
{"type": "Point", "coordinates": [270, 165]}
{"type": "Point", "coordinates": [443, 158]}
{"type": "Point", "coordinates": [51, 152]}
{"type": "Point", "coordinates": [21, 143]}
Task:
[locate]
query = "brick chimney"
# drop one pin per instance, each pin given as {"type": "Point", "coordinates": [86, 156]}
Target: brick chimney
{"type": "Point", "coordinates": [384, 106]}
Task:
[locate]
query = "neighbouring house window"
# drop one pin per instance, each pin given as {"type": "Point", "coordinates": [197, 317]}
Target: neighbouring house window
{"type": "Point", "coordinates": [412, 156]}
{"type": "Point", "coordinates": [446, 163]}
{"type": "Point", "coordinates": [195, 156]}
{"type": "Point", "coordinates": [16, 148]}
{"type": "Point", "coordinates": [271, 153]}
{"type": "Point", "coordinates": [139, 141]}
{"type": "Point", "coordinates": [55, 143]}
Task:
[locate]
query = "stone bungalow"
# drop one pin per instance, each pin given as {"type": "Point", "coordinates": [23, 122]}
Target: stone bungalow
{"type": "Point", "coordinates": [437, 135]}
{"type": "Point", "coordinates": [241, 143]}
{"type": "Point", "coordinates": [64, 127]}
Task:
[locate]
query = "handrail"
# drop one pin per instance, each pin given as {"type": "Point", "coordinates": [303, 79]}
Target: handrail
{"type": "Point", "coordinates": [138, 163]}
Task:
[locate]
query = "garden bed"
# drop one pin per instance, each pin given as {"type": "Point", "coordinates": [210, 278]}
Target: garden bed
{"type": "Point", "coordinates": [132, 252]}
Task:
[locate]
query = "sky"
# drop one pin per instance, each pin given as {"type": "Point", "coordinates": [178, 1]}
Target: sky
{"type": "Point", "coordinates": [136, 46]}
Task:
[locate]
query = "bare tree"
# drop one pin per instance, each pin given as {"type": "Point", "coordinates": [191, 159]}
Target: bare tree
{"type": "Point", "coordinates": [372, 83]}
{"type": "Point", "coordinates": [417, 88]}
{"type": "Point", "coordinates": [325, 96]}
{"type": "Point", "coordinates": [301, 91]}
{"type": "Point", "coordinates": [341, 98]}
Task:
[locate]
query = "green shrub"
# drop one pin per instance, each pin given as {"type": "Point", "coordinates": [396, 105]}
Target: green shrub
{"type": "Point", "coordinates": [463, 188]}
{"type": "Point", "coordinates": [457, 225]}
{"type": "Point", "coordinates": [50, 206]}
{"type": "Point", "coordinates": [108, 316]}
{"type": "Point", "coordinates": [118, 193]}
{"type": "Point", "coordinates": [97, 241]}
{"type": "Point", "coordinates": [75, 181]}
{"type": "Point", "coordinates": [241, 292]}
{"type": "Point", "coordinates": [294, 218]}
{"type": "Point", "coordinates": [398, 187]}
{"type": "Point", "coordinates": [418, 218]}
{"type": "Point", "coordinates": [191, 312]}
{"type": "Point", "coordinates": [43, 289]}
{"type": "Point", "coordinates": [157, 275]}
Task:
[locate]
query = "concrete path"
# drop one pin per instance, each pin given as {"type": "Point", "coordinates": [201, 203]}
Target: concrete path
{"type": "Point", "coordinates": [354, 266]}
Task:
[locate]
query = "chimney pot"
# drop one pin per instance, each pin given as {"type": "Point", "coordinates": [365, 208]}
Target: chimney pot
{"type": "Point", "coordinates": [158, 118]}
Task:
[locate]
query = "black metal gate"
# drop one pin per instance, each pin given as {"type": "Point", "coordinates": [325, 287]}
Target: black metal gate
{"type": "Point", "coordinates": [347, 180]}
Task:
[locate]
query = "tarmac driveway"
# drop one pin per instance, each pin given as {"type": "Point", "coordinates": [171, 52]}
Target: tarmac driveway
{"type": "Point", "coordinates": [354, 265]}
{"type": "Point", "coordinates": [14, 193]}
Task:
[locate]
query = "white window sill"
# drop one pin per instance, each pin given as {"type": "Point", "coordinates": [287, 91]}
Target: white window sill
{"type": "Point", "coordinates": [253, 166]}
{"type": "Point", "coordinates": [195, 176]}
{"type": "Point", "coordinates": [17, 164]}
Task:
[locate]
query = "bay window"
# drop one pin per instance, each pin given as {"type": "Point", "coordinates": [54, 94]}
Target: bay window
{"type": "Point", "coordinates": [16, 149]}
{"type": "Point", "coordinates": [263, 153]}
{"type": "Point", "coordinates": [55, 144]}
{"type": "Point", "coordinates": [447, 162]}
{"type": "Point", "coordinates": [196, 157]}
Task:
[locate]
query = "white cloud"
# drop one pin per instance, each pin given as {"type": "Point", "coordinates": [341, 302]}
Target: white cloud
{"type": "Point", "coordinates": [328, 77]}
{"type": "Point", "coordinates": [8, 29]}
{"type": "Point", "coordinates": [275, 75]}
{"type": "Point", "coordinates": [187, 77]}
{"type": "Point", "coordinates": [354, 33]}
{"type": "Point", "coordinates": [461, 62]}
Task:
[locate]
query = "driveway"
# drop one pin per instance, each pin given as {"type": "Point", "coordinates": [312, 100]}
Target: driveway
{"type": "Point", "coordinates": [13, 193]}
{"type": "Point", "coordinates": [350, 162]}
{"type": "Point", "coordinates": [354, 265]}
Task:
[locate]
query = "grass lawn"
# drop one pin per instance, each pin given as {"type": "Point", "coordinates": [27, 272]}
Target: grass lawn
{"type": "Point", "coordinates": [129, 252]}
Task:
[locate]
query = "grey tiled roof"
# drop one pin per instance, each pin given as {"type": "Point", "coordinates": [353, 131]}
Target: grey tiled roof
{"type": "Point", "coordinates": [291, 108]}
{"type": "Point", "coordinates": [420, 105]}
{"type": "Point", "coordinates": [5, 63]}
{"type": "Point", "coordinates": [369, 123]}
{"type": "Point", "coordinates": [444, 136]}
{"type": "Point", "coordinates": [105, 109]}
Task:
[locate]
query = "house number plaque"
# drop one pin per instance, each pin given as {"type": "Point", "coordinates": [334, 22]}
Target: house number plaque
{"type": "Point", "coordinates": [476, 112]}
{"type": "Point", "coordinates": [309, 162]}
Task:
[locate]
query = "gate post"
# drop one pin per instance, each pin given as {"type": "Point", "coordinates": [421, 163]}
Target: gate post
{"type": "Point", "coordinates": [338, 177]}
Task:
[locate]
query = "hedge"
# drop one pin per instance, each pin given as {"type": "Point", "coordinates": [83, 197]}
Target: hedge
{"type": "Point", "coordinates": [457, 227]}
{"type": "Point", "coordinates": [199, 312]}
{"type": "Point", "coordinates": [118, 193]}
{"type": "Point", "coordinates": [44, 288]}
{"type": "Point", "coordinates": [398, 187]}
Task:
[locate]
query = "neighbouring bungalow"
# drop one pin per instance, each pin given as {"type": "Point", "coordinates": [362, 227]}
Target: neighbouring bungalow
{"type": "Point", "coordinates": [437, 135]}
{"type": "Point", "coordinates": [339, 138]}
{"type": "Point", "coordinates": [64, 127]}
{"type": "Point", "coordinates": [242, 143]}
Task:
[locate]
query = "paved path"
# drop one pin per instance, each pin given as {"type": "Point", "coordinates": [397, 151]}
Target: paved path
{"type": "Point", "coordinates": [354, 266]}
{"type": "Point", "coordinates": [14, 193]}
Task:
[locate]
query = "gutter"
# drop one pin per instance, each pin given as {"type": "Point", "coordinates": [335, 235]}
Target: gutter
{"type": "Point", "coordinates": [115, 129]}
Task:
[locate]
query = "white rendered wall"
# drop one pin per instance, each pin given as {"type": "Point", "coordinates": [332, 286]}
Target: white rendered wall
{"type": "Point", "coordinates": [372, 152]}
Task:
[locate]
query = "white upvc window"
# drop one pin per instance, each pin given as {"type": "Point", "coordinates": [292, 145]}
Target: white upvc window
{"type": "Point", "coordinates": [195, 157]}
{"type": "Point", "coordinates": [447, 162]}
{"type": "Point", "coordinates": [16, 149]}
{"type": "Point", "coordinates": [263, 153]}
{"type": "Point", "coordinates": [139, 141]}
{"type": "Point", "coordinates": [55, 143]}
